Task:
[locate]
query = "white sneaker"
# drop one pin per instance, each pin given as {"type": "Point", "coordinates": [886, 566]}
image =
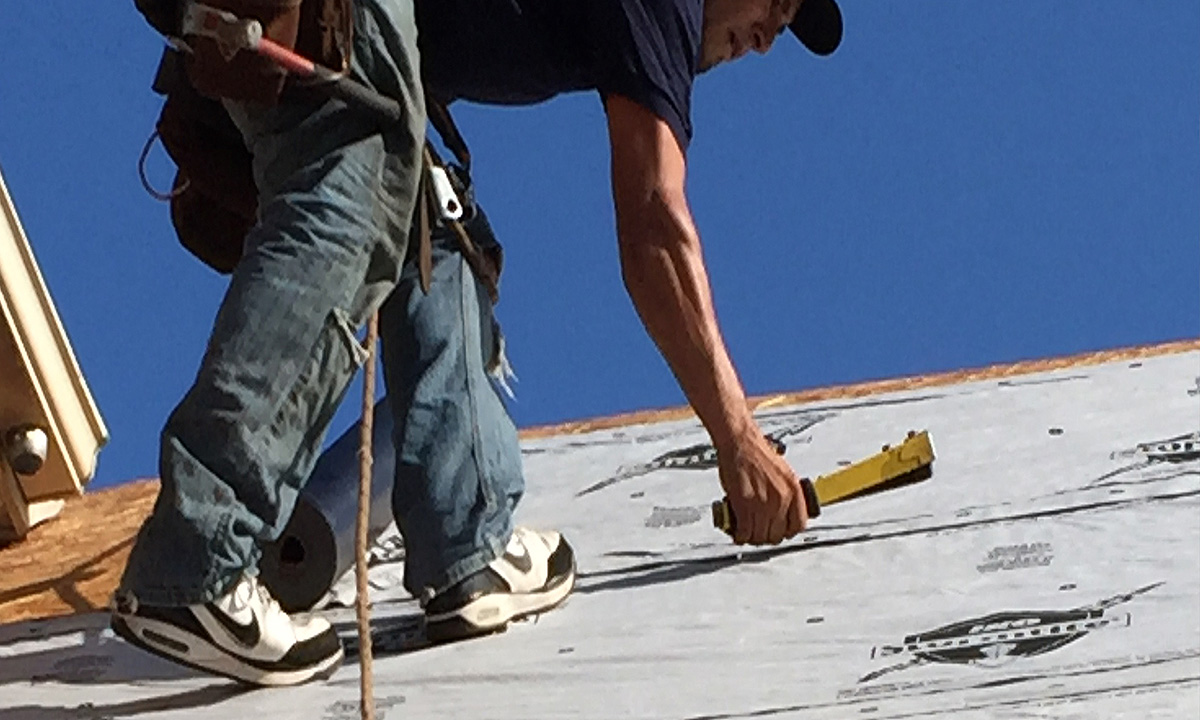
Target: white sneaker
{"type": "Point", "coordinates": [243, 635]}
{"type": "Point", "coordinates": [535, 574]}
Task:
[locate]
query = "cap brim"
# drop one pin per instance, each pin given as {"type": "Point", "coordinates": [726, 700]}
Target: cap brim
{"type": "Point", "coordinates": [818, 24]}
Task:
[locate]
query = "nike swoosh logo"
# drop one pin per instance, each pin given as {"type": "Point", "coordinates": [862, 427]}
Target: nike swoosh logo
{"type": "Point", "coordinates": [247, 635]}
{"type": "Point", "coordinates": [521, 562]}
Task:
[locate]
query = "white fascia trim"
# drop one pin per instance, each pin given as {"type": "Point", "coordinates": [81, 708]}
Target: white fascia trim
{"type": "Point", "coordinates": [29, 316]}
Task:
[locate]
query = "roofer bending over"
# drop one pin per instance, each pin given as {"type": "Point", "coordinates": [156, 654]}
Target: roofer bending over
{"type": "Point", "coordinates": [642, 56]}
{"type": "Point", "coordinates": [336, 200]}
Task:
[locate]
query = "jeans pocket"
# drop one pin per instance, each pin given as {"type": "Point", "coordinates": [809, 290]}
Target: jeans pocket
{"type": "Point", "coordinates": [310, 399]}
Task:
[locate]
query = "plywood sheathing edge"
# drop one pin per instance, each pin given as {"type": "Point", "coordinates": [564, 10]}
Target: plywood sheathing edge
{"type": "Point", "coordinates": [875, 387]}
{"type": "Point", "coordinates": [71, 564]}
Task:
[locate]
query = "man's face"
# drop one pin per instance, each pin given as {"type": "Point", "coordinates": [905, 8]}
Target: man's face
{"type": "Point", "coordinates": [734, 27]}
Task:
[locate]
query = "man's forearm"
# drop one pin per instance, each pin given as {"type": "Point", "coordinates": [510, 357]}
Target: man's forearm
{"type": "Point", "coordinates": [663, 268]}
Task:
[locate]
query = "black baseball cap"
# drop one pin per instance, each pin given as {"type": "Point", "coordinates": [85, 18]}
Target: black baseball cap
{"type": "Point", "coordinates": [818, 24]}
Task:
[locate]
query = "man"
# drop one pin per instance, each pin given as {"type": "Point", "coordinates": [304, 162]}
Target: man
{"type": "Point", "coordinates": [456, 488]}
{"type": "Point", "coordinates": [324, 253]}
{"type": "Point", "coordinates": [458, 462]}
{"type": "Point", "coordinates": [642, 57]}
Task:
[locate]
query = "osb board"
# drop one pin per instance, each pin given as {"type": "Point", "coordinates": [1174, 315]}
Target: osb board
{"type": "Point", "coordinates": [72, 563]}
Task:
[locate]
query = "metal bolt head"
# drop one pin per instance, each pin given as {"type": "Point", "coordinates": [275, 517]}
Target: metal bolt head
{"type": "Point", "coordinates": [26, 447]}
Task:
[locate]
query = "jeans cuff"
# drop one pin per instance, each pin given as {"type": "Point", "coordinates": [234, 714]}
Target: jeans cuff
{"type": "Point", "coordinates": [210, 589]}
{"type": "Point", "coordinates": [164, 590]}
{"type": "Point", "coordinates": [469, 565]}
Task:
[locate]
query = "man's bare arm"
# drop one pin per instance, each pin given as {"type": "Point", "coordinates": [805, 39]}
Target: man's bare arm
{"type": "Point", "coordinates": [663, 268]}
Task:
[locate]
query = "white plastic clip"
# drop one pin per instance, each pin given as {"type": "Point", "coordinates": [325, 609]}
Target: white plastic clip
{"type": "Point", "coordinates": [447, 200]}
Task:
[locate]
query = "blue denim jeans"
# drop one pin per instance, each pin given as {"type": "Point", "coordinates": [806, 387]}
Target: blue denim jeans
{"type": "Point", "coordinates": [335, 205]}
{"type": "Point", "coordinates": [458, 458]}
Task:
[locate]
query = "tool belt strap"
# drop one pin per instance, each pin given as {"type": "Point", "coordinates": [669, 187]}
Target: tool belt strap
{"type": "Point", "coordinates": [485, 266]}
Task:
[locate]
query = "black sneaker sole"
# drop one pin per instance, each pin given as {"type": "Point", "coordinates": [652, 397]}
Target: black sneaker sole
{"type": "Point", "coordinates": [231, 666]}
{"type": "Point", "coordinates": [457, 628]}
{"type": "Point", "coordinates": [504, 609]}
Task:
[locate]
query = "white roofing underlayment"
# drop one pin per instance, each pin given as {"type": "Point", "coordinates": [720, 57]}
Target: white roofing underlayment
{"type": "Point", "coordinates": [1050, 568]}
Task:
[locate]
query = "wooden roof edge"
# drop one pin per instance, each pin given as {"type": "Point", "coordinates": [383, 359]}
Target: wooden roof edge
{"type": "Point", "coordinates": [874, 387]}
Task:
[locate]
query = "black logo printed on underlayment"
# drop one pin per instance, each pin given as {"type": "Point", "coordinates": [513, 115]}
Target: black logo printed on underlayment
{"type": "Point", "coordinates": [702, 456]}
{"type": "Point", "coordinates": [1178, 449]}
{"type": "Point", "coordinates": [1003, 637]}
{"type": "Point", "coordinates": [1017, 557]}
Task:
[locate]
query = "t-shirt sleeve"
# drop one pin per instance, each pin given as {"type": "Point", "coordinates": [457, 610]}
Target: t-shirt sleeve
{"type": "Point", "coordinates": [648, 51]}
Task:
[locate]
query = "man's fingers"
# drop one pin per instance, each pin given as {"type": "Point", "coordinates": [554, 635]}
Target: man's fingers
{"type": "Point", "coordinates": [762, 526]}
{"type": "Point", "coordinates": [743, 523]}
{"type": "Point", "coordinates": [796, 514]}
{"type": "Point", "coordinates": [777, 532]}
{"type": "Point", "coordinates": [752, 527]}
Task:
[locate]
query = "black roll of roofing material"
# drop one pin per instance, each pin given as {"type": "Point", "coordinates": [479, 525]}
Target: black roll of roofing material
{"type": "Point", "coordinates": [317, 546]}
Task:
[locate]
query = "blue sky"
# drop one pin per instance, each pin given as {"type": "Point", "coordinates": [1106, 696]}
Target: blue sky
{"type": "Point", "coordinates": [962, 183]}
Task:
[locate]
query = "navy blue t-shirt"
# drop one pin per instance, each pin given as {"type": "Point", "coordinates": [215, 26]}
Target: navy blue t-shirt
{"type": "Point", "coordinates": [527, 51]}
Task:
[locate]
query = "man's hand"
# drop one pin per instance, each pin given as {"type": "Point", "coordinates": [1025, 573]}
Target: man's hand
{"type": "Point", "coordinates": [763, 492]}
